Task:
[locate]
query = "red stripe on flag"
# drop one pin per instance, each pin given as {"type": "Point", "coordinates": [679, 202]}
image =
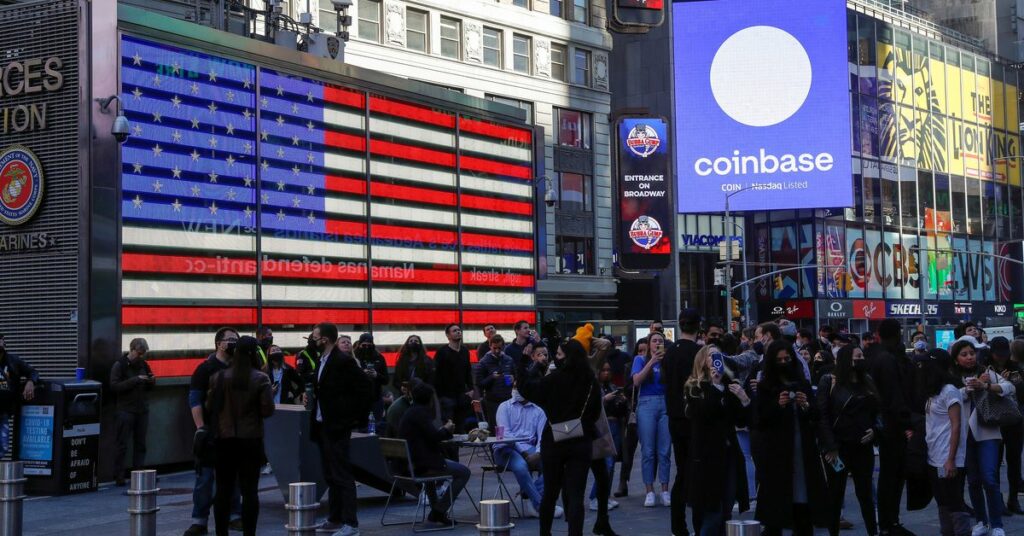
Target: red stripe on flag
{"type": "Point", "coordinates": [409, 193]}
{"type": "Point", "coordinates": [345, 228]}
{"type": "Point", "coordinates": [494, 278]}
{"type": "Point", "coordinates": [411, 152]}
{"type": "Point", "coordinates": [137, 315]}
{"type": "Point", "coordinates": [415, 316]}
{"type": "Point", "coordinates": [342, 140]}
{"type": "Point", "coordinates": [280, 316]}
{"type": "Point", "coordinates": [497, 205]}
{"type": "Point", "coordinates": [345, 185]}
{"type": "Point", "coordinates": [411, 112]}
{"type": "Point", "coordinates": [492, 130]}
{"type": "Point", "coordinates": [496, 242]}
{"type": "Point", "coordinates": [396, 232]}
{"type": "Point", "coordinates": [482, 318]}
{"type": "Point", "coordinates": [240, 267]}
{"type": "Point", "coordinates": [496, 168]}
{"type": "Point", "coordinates": [345, 97]}
{"type": "Point", "coordinates": [170, 368]}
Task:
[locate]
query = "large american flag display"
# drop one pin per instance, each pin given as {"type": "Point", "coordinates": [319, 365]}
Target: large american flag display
{"type": "Point", "coordinates": [252, 196]}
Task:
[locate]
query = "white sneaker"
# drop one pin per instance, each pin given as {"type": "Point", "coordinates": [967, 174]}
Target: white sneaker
{"type": "Point", "coordinates": [612, 504]}
{"type": "Point", "coordinates": [997, 532]}
{"type": "Point", "coordinates": [559, 512]}
{"type": "Point", "coordinates": [980, 529]}
{"type": "Point", "coordinates": [347, 530]}
{"type": "Point", "coordinates": [593, 505]}
{"type": "Point", "coordinates": [529, 510]}
{"type": "Point", "coordinates": [666, 498]}
{"type": "Point", "coordinates": [649, 500]}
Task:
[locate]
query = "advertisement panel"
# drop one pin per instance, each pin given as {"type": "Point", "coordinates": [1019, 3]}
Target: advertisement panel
{"type": "Point", "coordinates": [645, 211]}
{"type": "Point", "coordinates": [760, 75]}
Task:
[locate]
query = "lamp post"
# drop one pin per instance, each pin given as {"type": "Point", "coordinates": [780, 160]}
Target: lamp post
{"type": "Point", "coordinates": [728, 258]}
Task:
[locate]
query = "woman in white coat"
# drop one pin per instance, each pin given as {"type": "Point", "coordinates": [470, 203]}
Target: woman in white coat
{"type": "Point", "coordinates": [983, 441]}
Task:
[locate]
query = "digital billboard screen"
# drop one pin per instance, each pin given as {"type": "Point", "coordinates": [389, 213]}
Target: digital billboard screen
{"type": "Point", "coordinates": [761, 102]}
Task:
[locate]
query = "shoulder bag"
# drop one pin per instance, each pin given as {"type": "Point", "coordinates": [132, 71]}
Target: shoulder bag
{"type": "Point", "coordinates": [996, 410]}
{"type": "Point", "coordinates": [573, 428]}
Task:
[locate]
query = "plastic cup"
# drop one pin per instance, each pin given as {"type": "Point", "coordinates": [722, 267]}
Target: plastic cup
{"type": "Point", "coordinates": [79, 373]}
{"type": "Point", "coordinates": [508, 380]}
{"type": "Point", "coordinates": [499, 432]}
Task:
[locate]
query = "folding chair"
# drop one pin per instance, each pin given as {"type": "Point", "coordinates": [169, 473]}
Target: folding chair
{"type": "Point", "coordinates": [396, 454]}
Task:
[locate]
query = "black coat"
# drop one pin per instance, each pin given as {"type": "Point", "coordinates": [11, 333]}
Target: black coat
{"type": "Point", "coordinates": [714, 416]}
{"type": "Point", "coordinates": [424, 438]}
{"type": "Point", "coordinates": [847, 414]}
{"type": "Point", "coordinates": [894, 374]}
{"type": "Point", "coordinates": [344, 394]}
{"type": "Point", "coordinates": [774, 457]}
{"type": "Point", "coordinates": [130, 388]}
{"type": "Point", "coordinates": [675, 369]}
{"type": "Point", "coordinates": [562, 395]}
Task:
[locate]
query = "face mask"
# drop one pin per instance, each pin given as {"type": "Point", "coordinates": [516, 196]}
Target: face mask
{"type": "Point", "coordinates": [267, 343]}
{"type": "Point", "coordinates": [759, 348]}
{"type": "Point", "coordinates": [277, 358]}
{"type": "Point", "coordinates": [414, 345]}
{"type": "Point", "coordinates": [921, 346]}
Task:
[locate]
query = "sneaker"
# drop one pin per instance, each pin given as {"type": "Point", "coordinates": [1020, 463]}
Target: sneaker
{"type": "Point", "coordinates": [195, 530]}
{"type": "Point", "coordinates": [235, 525]}
{"type": "Point", "coordinates": [267, 470]}
{"type": "Point", "coordinates": [980, 529]}
{"type": "Point", "coordinates": [666, 498]}
{"type": "Point", "coordinates": [530, 511]}
{"type": "Point", "coordinates": [649, 499]}
{"type": "Point", "coordinates": [559, 512]}
{"type": "Point", "coordinates": [347, 530]}
{"type": "Point", "coordinates": [593, 505]}
{"type": "Point", "coordinates": [997, 532]}
{"type": "Point", "coordinates": [328, 527]}
{"type": "Point", "coordinates": [844, 524]}
{"type": "Point", "coordinates": [612, 504]}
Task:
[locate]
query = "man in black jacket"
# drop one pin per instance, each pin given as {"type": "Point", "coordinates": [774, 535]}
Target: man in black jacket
{"type": "Point", "coordinates": [376, 368]}
{"type": "Point", "coordinates": [424, 439]}
{"type": "Point", "coordinates": [12, 370]}
{"type": "Point", "coordinates": [131, 378]}
{"type": "Point", "coordinates": [454, 378]}
{"type": "Point", "coordinates": [675, 369]}
{"type": "Point", "coordinates": [342, 397]}
{"type": "Point", "coordinates": [893, 373]}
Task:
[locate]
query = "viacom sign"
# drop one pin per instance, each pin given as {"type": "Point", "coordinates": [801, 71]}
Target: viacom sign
{"type": "Point", "coordinates": [761, 102]}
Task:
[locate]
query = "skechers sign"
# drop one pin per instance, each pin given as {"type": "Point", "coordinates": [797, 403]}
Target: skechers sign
{"type": "Point", "coordinates": [762, 104]}
{"type": "Point", "coordinates": [645, 212]}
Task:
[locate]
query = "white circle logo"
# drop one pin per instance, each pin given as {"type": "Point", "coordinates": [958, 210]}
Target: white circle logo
{"type": "Point", "coordinates": [761, 76]}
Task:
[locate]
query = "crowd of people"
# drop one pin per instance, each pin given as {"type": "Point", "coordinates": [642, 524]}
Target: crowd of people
{"type": "Point", "coordinates": [772, 418]}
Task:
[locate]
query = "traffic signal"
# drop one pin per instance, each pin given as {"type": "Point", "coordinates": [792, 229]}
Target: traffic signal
{"type": "Point", "coordinates": [778, 283]}
{"type": "Point", "coordinates": [735, 304]}
{"type": "Point", "coordinates": [848, 282]}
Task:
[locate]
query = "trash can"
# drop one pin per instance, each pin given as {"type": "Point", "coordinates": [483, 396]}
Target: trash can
{"type": "Point", "coordinates": [57, 436]}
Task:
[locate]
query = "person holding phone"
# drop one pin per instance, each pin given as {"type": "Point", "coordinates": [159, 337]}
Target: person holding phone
{"type": "Point", "coordinates": [849, 405]}
{"type": "Point", "coordinates": [131, 379]}
{"type": "Point", "coordinates": [652, 419]}
{"type": "Point", "coordinates": [716, 468]}
{"type": "Point", "coordinates": [946, 436]}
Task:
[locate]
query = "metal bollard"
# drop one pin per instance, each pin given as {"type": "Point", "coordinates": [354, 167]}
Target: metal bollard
{"type": "Point", "coordinates": [12, 496]}
{"type": "Point", "coordinates": [747, 527]}
{"type": "Point", "coordinates": [302, 506]}
{"type": "Point", "coordinates": [495, 518]}
{"type": "Point", "coordinates": [142, 506]}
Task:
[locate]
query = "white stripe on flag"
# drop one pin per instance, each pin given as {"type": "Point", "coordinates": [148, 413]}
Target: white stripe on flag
{"type": "Point", "coordinates": [143, 289]}
{"type": "Point", "coordinates": [166, 238]}
{"type": "Point", "coordinates": [344, 163]}
{"type": "Point", "coordinates": [344, 207]}
{"type": "Point", "coordinates": [313, 248]}
{"type": "Point", "coordinates": [491, 186]}
{"type": "Point", "coordinates": [414, 174]}
{"type": "Point", "coordinates": [392, 253]}
{"type": "Point", "coordinates": [418, 215]}
{"type": "Point", "coordinates": [416, 134]}
{"type": "Point", "coordinates": [496, 298]}
{"type": "Point", "coordinates": [492, 222]}
{"type": "Point", "coordinates": [313, 294]}
{"type": "Point", "coordinates": [291, 340]}
{"type": "Point", "coordinates": [490, 261]}
{"type": "Point", "coordinates": [411, 296]}
{"type": "Point", "coordinates": [497, 149]}
{"type": "Point", "coordinates": [343, 118]}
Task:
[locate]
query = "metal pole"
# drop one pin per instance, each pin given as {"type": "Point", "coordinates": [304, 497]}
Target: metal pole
{"type": "Point", "coordinates": [728, 268]}
{"type": "Point", "coordinates": [495, 518]}
{"type": "Point", "coordinates": [746, 289]}
{"type": "Point", "coordinates": [923, 287]}
{"type": "Point", "coordinates": [12, 487]}
{"type": "Point", "coordinates": [142, 506]}
{"type": "Point", "coordinates": [302, 506]}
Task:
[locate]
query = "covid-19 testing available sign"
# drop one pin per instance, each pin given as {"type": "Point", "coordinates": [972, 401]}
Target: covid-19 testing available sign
{"type": "Point", "coordinates": [761, 102]}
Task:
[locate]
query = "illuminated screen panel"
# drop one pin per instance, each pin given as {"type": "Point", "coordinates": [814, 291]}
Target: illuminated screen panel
{"type": "Point", "coordinates": [366, 210]}
{"type": "Point", "coordinates": [752, 79]}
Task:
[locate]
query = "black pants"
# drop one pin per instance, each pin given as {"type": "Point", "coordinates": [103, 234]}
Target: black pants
{"type": "Point", "coordinates": [860, 464]}
{"type": "Point", "coordinates": [949, 497]}
{"type": "Point", "coordinates": [892, 462]}
{"type": "Point", "coordinates": [1013, 444]}
{"type": "Point", "coordinates": [133, 426]}
{"type": "Point", "coordinates": [565, 467]}
{"type": "Point", "coordinates": [681, 449]}
{"type": "Point", "coordinates": [630, 439]}
{"type": "Point", "coordinates": [802, 525]}
{"type": "Point", "coordinates": [238, 462]}
{"type": "Point", "coordinates": [341, 486]}
{"type": "Point", "coordinates": [603, 482]}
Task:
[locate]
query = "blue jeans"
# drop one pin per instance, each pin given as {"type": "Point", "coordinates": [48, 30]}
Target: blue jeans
{"type": "Point", "coordinates": [5, 434]}
{"type": "Point", "coordinates": [202, 497]}
{"type": "Point", "coordinates": [516, 462]}
{"type": "Point", "coordinates": [983, 481]}
{"type": "Point", "coordinates": [743, 436]}
{"type": "Point", "coordinates": [655, 441]}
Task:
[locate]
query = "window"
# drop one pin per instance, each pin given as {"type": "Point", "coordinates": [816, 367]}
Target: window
{"type": "Point", "coordinates": [581, 67]}
{"type": "Point", "coordinates": [451, 38]}
{"type": "Point", "coordinates": [522, 105]}
{"type": "Point", "coordinates": [369, 20]}
{"type": "Point", "coordinates": [416, 30]}
{"type": "Point", "coordinates": [328, 17]}
{"type": "Point", "coordinates": [579, 10]}
{"type": "Point", "coordinates": [522, 47]}
{"type": "Point", "coordinates": [556, 7]}
{"type": "Point", "coordinates": [521, 3]}
{"type": "Point", "coordinates": [573, 129]}
{"type": "Point", "coordinates": [574, 192]}
{"type": "Point", "coordinates": [492, 47]}
{"type": "Point", "coordinates": [559, 55]}
{"type": "Point", "coordinates": [575, 255]}
{"type": "Point", "coordinates": [574, 10]}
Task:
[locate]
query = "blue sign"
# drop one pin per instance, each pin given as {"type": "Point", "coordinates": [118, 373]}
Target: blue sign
{"type": "Point", "coordinates": [35, 447]}
{"type": "Point", "coordinates": [761, 102]}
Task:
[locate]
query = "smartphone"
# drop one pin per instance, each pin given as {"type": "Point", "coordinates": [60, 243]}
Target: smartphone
{"type": "Point", "coordinates": [718, 363]}
{"type": "Point", "coordinates": [838, 465]}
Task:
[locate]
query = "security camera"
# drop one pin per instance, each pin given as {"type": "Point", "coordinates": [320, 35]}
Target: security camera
{"type": "Point", "coordinates": [550, 198]}
{"type": "Point", "coordinates": [120, 129]}
{"type": "Point", "coordinates": [341, 4]}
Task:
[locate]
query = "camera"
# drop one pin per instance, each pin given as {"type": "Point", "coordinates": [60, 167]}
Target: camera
{"type": "Point", "coordinates": [120, 129]}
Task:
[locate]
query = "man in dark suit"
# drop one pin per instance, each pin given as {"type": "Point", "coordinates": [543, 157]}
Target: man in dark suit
{"type": "Point", "coordinates": [341, 402]}
{"type": "Point", "coordinates": [675, 370]}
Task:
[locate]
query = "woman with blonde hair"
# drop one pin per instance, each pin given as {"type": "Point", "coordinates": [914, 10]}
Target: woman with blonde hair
{"type": "Point", "coordinates": [716, 405]}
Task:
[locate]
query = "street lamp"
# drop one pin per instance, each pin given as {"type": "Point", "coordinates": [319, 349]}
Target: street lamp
{"type": "Point", "coordinates": [728, 258]}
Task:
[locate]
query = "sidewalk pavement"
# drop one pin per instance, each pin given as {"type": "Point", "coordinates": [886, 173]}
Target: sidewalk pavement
{"type": "Point", "coordinates": [103, 513]}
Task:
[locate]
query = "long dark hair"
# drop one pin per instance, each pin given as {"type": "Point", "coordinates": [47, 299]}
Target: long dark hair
{"type": "Point", "coordinates": [932, 376]}
{"type": "Point", "coordinates": [955, 368]}
{"type": "Point", "coordinates": [776, 375]}
{"type": "Point", "coordinates": [241, 362]}
{"type": "Point", "coordinates": [847, 376]}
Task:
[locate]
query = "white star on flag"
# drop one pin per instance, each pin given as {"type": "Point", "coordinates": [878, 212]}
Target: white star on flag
{"type": "Point", "coordinates": [176, 136]}
{"type": "Point", "coordinates": [248, 212]}
{"type": "Point", "coordinates": [280, 215]}
{"type": "Point", "coordinates": [213, 176]}
{"type": "Point", "coordinates": [136, 59]}
{"type": "Point", "coordinates": [195, 155]}
{"type": "Point", "coordinates": [296, 201]}
{"type": "Point", "coordinates": [137, 202]}
{"type": "Point", "coordinates": [176, 102]}
{"type": "Point", "coordinates": [136, 168]}
{"type": "Point", "coordinates": [195, 191]}
{"type": "Point", "coordinates": [311, 218]}
{"type": "Point", "coordinates": [157, 150]}
{"type": "Point", "coordinates": [176, 172]}
{"type": "Point", "coordinates": [213, 207]}
{"type": "Point", "coordinates": [176, 206]}
{"type": "Point", "coordinates": [157, 186]}
{"type": "Point", "coordinates": [280, 186]}
{"type": "Point", "coordinates": [137, 94]}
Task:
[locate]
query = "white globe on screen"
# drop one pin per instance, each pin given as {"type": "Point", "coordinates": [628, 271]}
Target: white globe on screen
{"type": "Point", "coordinates": [761, 76]}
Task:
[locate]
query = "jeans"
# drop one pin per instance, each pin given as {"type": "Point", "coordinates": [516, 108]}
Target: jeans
{"type": "Point", "coordinates": [983, 481]}
{"type": "Point", "coordinates": [655, 441]}
{"type": "Point", "coordinates": [743, 436]}
{"type": "Point", "coordinates": [516, 462]}
{"type": "Point", "coordinates": [713, 521]}
{"type": "Point", "coordinates": [949, 496]}
{"type": "Point", "coordinates": [131, 426]}
{"type": "Point", "coordinates": [460, 476]}
{"type": "Point", "coordinates": [860, 464]}
{"type": "Point", "coordinates": [202, 497]}
{"type": "Point", "coordinates": [239, 463]}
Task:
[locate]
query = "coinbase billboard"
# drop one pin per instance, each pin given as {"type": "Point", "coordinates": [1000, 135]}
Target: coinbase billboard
{"type": "Point", "coordinates": [761, 102]}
